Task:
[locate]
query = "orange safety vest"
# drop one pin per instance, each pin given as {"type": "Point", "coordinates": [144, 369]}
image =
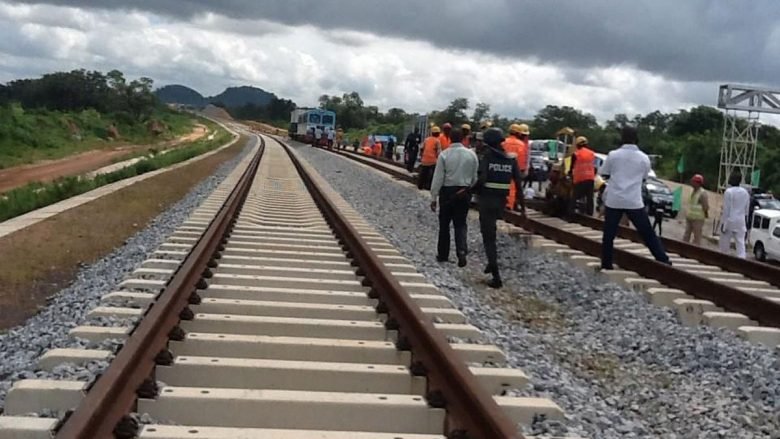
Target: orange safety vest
{"type": "Point", "coordinates": [584, 166]}
{"type": "Point", "coordinates": [430, 154]}
{"type": "Point", "coordinates": [445, 141]}
{"type": "Point", "coordinates": [378, 149]}
{"type": "Point", "coordinates": [516, 148]}
{"type": "Point", "coordinates": [466, 141]}
{"type": "Point", "coordinates": [367, 150]}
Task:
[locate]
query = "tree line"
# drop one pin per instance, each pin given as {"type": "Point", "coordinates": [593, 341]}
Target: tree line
{"type": "Point", "coordinates": [79, 90]}
{"type": "Point", "coordinates": [694, 134]}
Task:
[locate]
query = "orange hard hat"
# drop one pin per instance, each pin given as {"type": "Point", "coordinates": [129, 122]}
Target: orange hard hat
{"type": "Point", "coordinates": [698, 178]}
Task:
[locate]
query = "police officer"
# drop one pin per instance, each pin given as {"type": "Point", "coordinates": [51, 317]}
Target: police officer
{"type": "Point", "coordinates": [496, 173]}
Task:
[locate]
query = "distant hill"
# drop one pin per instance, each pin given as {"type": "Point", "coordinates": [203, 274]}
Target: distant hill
{"type": "Point", "coordinates": [239, 96]}
{"type": "Point", "coordinates": [233, 97]}
{"type": "Point", "coordinates": [179, 94]}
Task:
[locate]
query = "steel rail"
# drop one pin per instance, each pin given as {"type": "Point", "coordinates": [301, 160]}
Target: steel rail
{"type": "Point", "coordinates": [470, 408]}
{"type": "Point", "coordinates": [733, 299]}
{"type": "Point", "coordinates": [752, 269]}
{"type": "Point", "coordinates": [113, 395]}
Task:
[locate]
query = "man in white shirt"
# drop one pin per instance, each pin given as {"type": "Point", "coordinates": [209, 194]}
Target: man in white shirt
{"type": "Point", "coordinates": [627, 167]}
{"type": "Point", "coordinates": [456, 172]}
{"type": "Point", "coordinates": [331, 134]}
{"type": "Point", "coordinates": [733, 221]}
{"type": "Point", "coordinates": [317, 136]}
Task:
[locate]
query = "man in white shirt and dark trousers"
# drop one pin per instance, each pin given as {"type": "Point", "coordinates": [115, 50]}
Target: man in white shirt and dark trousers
{"type": "Point", "coordinates": [733, 221]}
{"type": "Point", "coordinates": [456, 173]}
{"type": "Point", "coordinates": [627, 167]}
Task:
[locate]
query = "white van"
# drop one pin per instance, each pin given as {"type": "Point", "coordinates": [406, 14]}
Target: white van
{"type": "Point", "coordinates": [765, 234]}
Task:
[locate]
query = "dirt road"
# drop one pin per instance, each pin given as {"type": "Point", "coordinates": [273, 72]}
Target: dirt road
{"type": "Point", "coordinates": [81, 163]}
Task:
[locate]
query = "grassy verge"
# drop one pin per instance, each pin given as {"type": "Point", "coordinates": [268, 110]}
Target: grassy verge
{"type": "Point", "coordinates": [41, 259]}
{"type": "Point", "coordinates": [29, 135]}
{"type": "Point", "coordinates": [37, 195]}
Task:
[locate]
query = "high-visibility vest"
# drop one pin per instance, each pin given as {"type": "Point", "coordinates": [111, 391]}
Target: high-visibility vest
{"type": "Point", "coordinates": [378, 149]}
{"type": "Point", "coordinates": [367, 150]}
{"type": "Point", "coordinates": [466, 141]}
{"type": "Point", "coordinates": [430, 154]}
{"type": "Point", "coordinates": [444, 141]}
{"type": "Point", "coordinates": [695, 209]}
{"type": "Point", "coordinates": [584, 166]}
{"type": "Point", "coordinates": [517, 149]}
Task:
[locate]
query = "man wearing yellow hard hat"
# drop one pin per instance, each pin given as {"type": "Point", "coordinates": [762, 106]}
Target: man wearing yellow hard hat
{"type": "Point", "coordinates": [583, 173]}
{"type": "Point", "coordinates": [516, 146]}
{"type": "Point", "coordinates": [466, 129]}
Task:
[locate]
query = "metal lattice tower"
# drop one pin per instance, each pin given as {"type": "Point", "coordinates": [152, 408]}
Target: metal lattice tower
{"type": "Point", "coordinates": [742, 105]}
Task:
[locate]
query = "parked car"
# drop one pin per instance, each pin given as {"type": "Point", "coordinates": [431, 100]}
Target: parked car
{"type": "Point", "coordinates": [765, 234]}
{"type": "Point", "coordinates": [540, 167]}
{"type": "Point", "coordinates": [657, 195]}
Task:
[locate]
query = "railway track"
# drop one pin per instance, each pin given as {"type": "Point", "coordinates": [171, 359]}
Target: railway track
{"type": "Point", "coordinates": [276, 312]}
{"type": "Point", "coordinates": [704, 286]}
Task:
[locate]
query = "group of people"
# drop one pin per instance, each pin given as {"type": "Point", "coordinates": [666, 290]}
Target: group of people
{"type": "Point", "coordinates": [327, 137]}
{"type": "Point", "coordinates": [454, 165]}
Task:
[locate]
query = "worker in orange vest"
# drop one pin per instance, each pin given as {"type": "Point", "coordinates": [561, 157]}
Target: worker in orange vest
{"type": "Point", "coordinates": [516, 146]}
{"type": "Point", "coordinates": [428, 157]}
{"type": "Point", "coordinates": [583, 173]}
{"type": "Point", "coordinates": [466, 128]}
{"type": "Point", "coordinates": [377, 149]}
{"type": "Point", "coordinates": [444, 139]}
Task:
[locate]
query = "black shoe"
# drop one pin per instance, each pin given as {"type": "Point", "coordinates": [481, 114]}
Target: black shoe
{"type": "Point", "coordinates": [488, 269]}
{"type": "Point", "coordinates": [495, 283]}
{"type": "Point", "coordinates": [461, 260]}
{"type": "Point", "coordinates": [438, 259]}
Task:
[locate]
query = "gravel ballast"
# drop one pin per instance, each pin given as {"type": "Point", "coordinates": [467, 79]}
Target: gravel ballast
{"type": "Point", "coordinates": [21, 346]}
{"type": "Point", "coordinates": [618, 366]}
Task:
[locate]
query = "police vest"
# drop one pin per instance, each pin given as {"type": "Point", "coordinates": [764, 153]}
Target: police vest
{"type": "Point", "coordinates": [498, 177]}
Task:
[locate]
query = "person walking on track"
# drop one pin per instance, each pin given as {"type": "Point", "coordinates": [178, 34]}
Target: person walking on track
{"type": "Point", "coordinates": [626, 168]}
{"type": "Point", "coordinates": [515, 147]}
{"type": "Point", "coordinates": [412, 149]}
{"type": "Point", "coordinates": [733, 221]}
{"type": "Point", "coordinates": [455, 175]}
{"type": "Point", "coordinates": [698, 211]}
{"type": "Point", "coordinates": [497, 171]}
{"type": "Point", "coordinates": [428, 156]}
{"type": "Point", "coordinates": [583, 173]}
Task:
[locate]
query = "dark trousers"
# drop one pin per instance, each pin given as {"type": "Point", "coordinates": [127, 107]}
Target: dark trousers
{"type": "Point", "coordinates": [641, 222]}
{"type": "Point", "coordinates": [425, 178]}
{"type": "Point", "coordinates": [411, 158]}
{"type": "Point", "coordinates": [584, 189]}
{"type": "Point", "coordinates": [455, 209]}
{"type": "Point", "coordinates": [489, 213]}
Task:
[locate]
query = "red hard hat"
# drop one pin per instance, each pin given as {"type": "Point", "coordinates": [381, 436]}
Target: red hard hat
{"type": "Point", "coordinates": [698, 178]}
{"type": "Point", "coordinates": [447, 126]}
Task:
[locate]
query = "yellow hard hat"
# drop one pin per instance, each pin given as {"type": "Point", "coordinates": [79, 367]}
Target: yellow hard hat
{"type": "Point", "coordinates": [435, 129]}
{"type": "Point", "coordinates": [465, 126]}
{"type": "Point", "coordinates": [515, 129]}
{"type": "Point", "coordinates": [485, 124]}
{"type": "Point", "coordinates": [523, 129]}
{"type": "Point", "coordinates": [582, 140]}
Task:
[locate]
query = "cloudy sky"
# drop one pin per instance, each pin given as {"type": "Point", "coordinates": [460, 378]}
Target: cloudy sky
{"type": "Point", "coordinates": [603, 56]}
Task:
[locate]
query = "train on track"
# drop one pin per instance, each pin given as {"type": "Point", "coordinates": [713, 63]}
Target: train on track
{"type": "Point", "coordinates": [304, 122]}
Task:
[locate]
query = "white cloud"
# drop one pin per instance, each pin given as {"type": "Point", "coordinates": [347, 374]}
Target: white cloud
{"type": "Point", "coordinates": [303, 62]}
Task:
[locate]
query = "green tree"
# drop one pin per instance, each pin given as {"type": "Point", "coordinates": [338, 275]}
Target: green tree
{"type": "Point", "coordinates": [455, 113]}
{"type": "Point", "coordinates": [552, 118]}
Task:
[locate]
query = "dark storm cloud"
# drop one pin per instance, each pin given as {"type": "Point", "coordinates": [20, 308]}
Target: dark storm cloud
{"type": "Point", "coordinates": [690, 40]}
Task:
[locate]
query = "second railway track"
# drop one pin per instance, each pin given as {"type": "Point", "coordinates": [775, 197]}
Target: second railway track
{"type": "Point", "coordinates": [277, 312]}
{"type": "Point", "coordinates": [705, 287]}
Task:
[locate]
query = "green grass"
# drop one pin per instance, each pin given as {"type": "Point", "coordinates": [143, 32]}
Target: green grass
{"type": "Point", "coordinates": [37, 195]}
{"type": "Point", "coordinates": [27, 136]}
